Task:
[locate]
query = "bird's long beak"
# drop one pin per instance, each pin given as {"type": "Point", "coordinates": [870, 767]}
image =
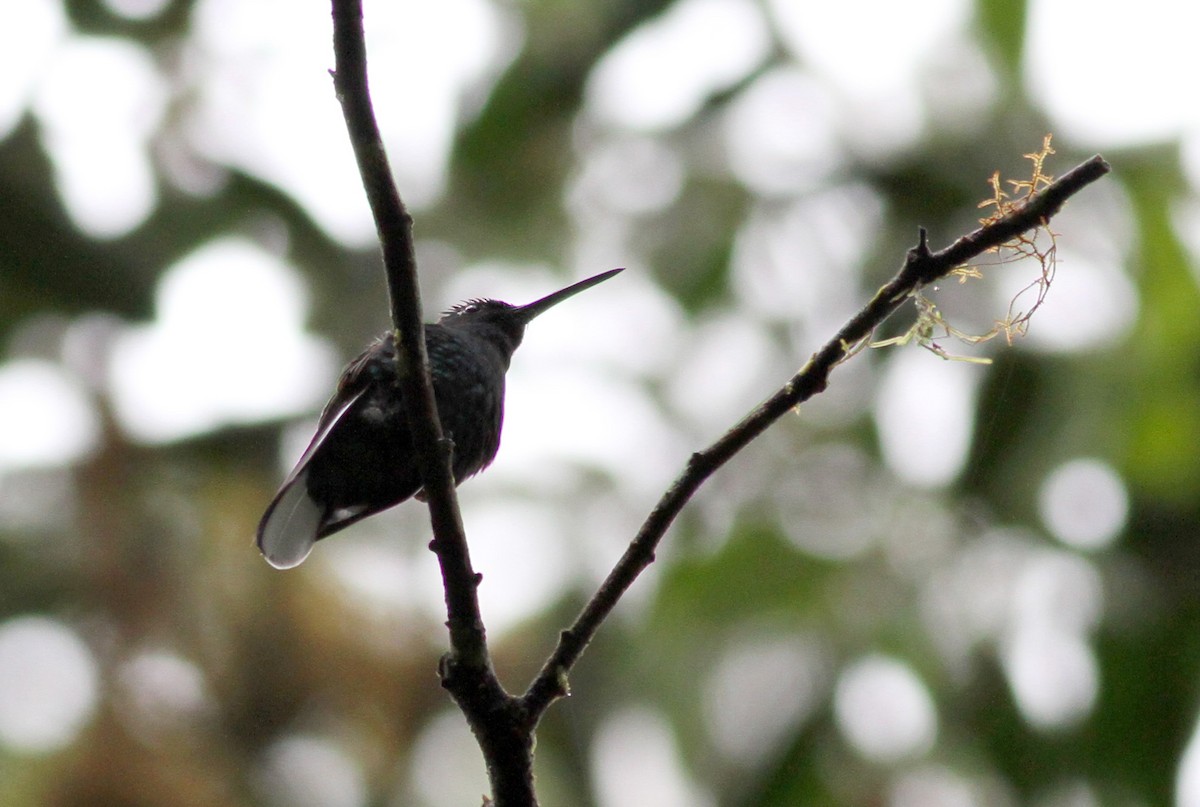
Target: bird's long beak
{"type": "Point", "coordinates": [528, 312]}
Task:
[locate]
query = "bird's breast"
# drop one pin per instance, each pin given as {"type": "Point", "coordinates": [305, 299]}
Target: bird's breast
{"type": "Point", "coordinates": [468, 383]}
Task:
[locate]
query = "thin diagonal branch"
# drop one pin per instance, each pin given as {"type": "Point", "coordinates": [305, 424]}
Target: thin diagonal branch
{"type": "Point", "coordinates": [921, 267]}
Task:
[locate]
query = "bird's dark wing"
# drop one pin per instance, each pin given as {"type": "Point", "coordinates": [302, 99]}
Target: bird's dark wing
{"type": "Point", "coordinates": [294, 520]}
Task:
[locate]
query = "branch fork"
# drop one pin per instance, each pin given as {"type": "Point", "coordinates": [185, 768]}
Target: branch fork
{"type": "Point", "coordinates": [503, 723]}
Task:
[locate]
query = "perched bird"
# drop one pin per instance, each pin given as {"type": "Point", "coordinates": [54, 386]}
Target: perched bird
{"type": "Point", "coordinates": [361, 460]}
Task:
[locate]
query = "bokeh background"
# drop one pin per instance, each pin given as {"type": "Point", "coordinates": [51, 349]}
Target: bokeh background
{"type": "Point", "coordinates": [941, 584]}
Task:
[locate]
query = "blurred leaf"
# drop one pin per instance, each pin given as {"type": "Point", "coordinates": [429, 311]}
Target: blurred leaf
{"type": "Point", "coordinates": [1163, 368]}
{"type": "Point", "coordinates": [1001, 24]}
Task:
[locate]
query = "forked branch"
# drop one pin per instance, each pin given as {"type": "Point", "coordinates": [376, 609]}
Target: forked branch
{"type": "Point", "coordinates": [504, 724]}
{"type": "Point", "coordinates": [466, 671]}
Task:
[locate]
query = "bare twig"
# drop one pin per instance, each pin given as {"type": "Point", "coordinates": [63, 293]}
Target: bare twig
{"type": "Point", "coordinates": [921, 267]}
{"type": "Point", "coordinates": [504, 733]}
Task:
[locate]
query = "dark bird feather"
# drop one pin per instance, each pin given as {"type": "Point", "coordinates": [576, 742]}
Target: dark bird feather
{"type": "Point", "coordinates": [361, 459]}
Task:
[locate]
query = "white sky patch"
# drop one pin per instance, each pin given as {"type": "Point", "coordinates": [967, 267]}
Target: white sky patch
{"type": "Point", "coordinates": [968, 602]}
{"type": "Point", "coordinates": [1053, 674]}
{"type": "Point", "coordinates": [48, 418]}
{"type": "Point", "coordinates": [99, 103]}
{"type": "Point", "coordinates": [266, 101]}
{"type": "Point", "coordinates": [445, 767]}
{"type": "Point", "coordinates": [863, 46]}
{"type": "Point", "coordinates": [1037, 607]}
{"type": "Point", "coordinates": [631, 175]}
{"type": "Point", "coordinates": [228, 347]}
{"type": "Point", "coordinates": [563, 416]}
{"type": "Point", "coordinates": [310, 771]}
{"type": "Point", "coordinates": [48, 684]}
{"type": "Point", "coordinates": [1084, 504]}
{"type": "Point", "coordinates": [959, 86]}
{"type": "Point", "coordinates": [1114, 79]}
{"type": "Point", "coordinates": [635, 761]}
{"type": "Point", "coordinates": [265, 105]}
{"type": "Point", "coordinates": [728, 365]}
{"type": "Point", "coordinates": [457, 48]}
{"type": "Point", "coordinates": [884, 710]}
{"type": "Point", "coordinates": [1057, 591]}
{"type": "Point", "coordinates": [29, 37]}
{"type": "Point", "coordinates": [1186, 212]}
{"type": "Point", "coordinates": [163, 692]}
{"type": "Point", "coordinates": [1055, 601]}
{"type": "Point", "coordinates": [872, 53]}
{"type": "Point", "coordinates": [381, 576]}
{"type": "Point", "coordinates": [924, 413]}
{"type": "Point", "coordinates": [137, 9]}
{"type": "Point", "coordinates": [660, 74]}
{"type": "Point", "coordinates": [760, 692]}
{"type": "Point", "coordinates": [827, 502]}
{"type": "Point", "coordinates": [781, 132]}
{"type": "Point", "coordinates": [1191, 168]}
{"type": "Point", "coordinates": [800, 263]}
{"type": "Point", "coordinates": [1187, 778]}
{"type": "Point", "coordinates": [939, 786]}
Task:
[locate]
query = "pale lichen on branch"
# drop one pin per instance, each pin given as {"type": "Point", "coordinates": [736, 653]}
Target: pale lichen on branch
{"type": "Point", "coordinates": [1039, 244]}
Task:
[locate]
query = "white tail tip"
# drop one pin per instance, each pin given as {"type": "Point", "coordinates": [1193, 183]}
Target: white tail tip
{"type": "Point", "coordinates": [289, 529]}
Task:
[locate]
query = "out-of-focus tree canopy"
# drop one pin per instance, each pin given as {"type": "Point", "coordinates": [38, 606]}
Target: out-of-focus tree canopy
{"type": "Point", "coordinates": [940, 583]}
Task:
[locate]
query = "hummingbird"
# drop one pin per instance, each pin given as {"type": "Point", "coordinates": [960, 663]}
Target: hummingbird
{"type": "Point", "coordinates": [361, 459]}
